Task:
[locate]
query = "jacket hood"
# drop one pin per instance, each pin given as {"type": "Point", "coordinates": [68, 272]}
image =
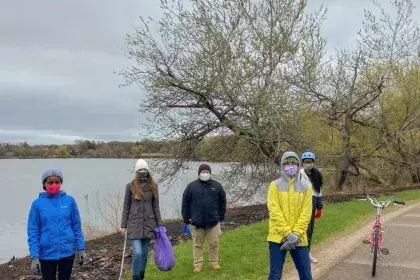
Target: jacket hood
{"type": "Point", "coordinates": [283, 158]}
{"type": "Point", "coordinates": [47, 195]}
{"type": "Point", "coordinates": [290, 154]}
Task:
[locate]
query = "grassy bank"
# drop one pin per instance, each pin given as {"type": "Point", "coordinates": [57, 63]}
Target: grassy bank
{"type": "Point", "coordinates": [244, 252]}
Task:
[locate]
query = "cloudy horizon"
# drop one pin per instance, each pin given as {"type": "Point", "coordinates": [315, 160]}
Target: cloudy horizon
{"type": "Point", "coordinates": [58, 58]}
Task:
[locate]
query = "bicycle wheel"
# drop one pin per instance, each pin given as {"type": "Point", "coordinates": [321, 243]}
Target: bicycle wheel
{"type": "Point", "coordinates": [375, 250]}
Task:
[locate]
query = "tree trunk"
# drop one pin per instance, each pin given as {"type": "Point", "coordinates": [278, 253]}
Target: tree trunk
{"type": "Point", "coordinates": [415, 175]}
{"type": "Point", "coordinates": [343, 167]}
{"type": "Point", "coordinates": [342, 172]}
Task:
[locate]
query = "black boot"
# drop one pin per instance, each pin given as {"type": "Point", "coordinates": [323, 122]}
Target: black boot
{"type": "Point", "coordinates": [136, 277]}
{"type": "Point", "coordinates": [141, 276]}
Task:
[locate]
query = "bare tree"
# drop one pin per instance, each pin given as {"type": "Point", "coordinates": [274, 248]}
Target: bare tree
{"type": "Point", "coordinates": [114, 204]}
{"type": "Point", "coordinates": [400, 119]}
{"type": "Point", "coordinates": [348, 85]}
{"type": "Point", "coordinates": [221, 67]}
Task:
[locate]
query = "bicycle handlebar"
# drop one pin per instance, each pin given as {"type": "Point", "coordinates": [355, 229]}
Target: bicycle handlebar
{"type": "Point", "coordinates": [377, 203]}
{"type": "Point", "coordinates": [398, 202]}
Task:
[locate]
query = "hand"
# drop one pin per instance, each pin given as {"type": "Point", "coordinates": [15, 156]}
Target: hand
{"type": "Point", "coordinates": [123, 230]}
{"type": "Point", "coordinates": [287, 246]}
{"type": "Point", "coordinates": [318, 214]}
{"type": "Point", "coordinates": [188, 222]}
{"type": "Point", "coordinates": [36, 267]}
{"type": "Point", "coordinates": [81, 256]}
{"type": "Point", "coordinates": [293, 239]}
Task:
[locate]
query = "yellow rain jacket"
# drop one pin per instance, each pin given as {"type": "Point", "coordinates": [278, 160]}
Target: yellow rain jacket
{"type": "Point", "coordinates": [289, 202]}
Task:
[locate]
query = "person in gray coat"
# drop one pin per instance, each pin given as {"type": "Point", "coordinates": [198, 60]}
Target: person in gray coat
{"type": "Point", "coordinates": [140, 216]}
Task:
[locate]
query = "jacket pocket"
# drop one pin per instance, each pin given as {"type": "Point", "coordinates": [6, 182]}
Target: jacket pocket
{"type": "Point", "coordinates": [197, 218]}
{"type": "Point", "coordinates": [46, 246]}
{"type": "Point", "coordinates": [213, 217]}
{"type": "Point", "coordinates": [44, 242]}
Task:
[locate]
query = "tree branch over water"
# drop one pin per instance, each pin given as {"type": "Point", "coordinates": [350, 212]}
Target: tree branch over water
{"type": "Point", "coordinates": [220, 68]}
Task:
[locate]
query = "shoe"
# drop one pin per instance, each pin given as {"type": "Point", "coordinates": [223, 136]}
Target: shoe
{"type": "Point", "coordinates": [198, 268]}
{"type": "Point", "coordinates": [141, 276]}
{"type": "Point", "coordinates": [312, 259]}
{"type": "Point", "coordinates": [136, 277]}
{"type": "Point", "coordinates": [216, 266]}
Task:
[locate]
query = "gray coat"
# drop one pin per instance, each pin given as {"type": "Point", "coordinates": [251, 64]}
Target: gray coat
{"type": "Point", "coordinates": [142, 216]}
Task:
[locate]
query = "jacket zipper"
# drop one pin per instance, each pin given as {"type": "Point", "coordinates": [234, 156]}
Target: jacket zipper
{"type": "Point", "coordinates": [205, 206]}
{"type": "Point", "coordinates": [58, 228]}
{"type": "Point", "coordinates": [300, 185]}
{"type": "Point", "coordinates": [298, 201]}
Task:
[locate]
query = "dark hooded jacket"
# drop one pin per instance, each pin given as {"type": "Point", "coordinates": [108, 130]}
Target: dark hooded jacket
{"type": "Point", "coordinates": [204, 203]}
{"type": "Point", "coordinates": [140, 216]}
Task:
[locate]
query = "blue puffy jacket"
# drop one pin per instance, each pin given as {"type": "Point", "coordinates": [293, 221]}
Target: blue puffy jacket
{"type": "Point", "coordinates": [54, 227]}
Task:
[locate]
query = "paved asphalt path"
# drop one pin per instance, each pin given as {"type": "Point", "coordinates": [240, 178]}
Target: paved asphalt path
{"type": "Point", "coordinates": [402, 238]}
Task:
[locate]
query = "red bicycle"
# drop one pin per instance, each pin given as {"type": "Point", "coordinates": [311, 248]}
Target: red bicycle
{"type": "Point", "coordinates": [376, 235]}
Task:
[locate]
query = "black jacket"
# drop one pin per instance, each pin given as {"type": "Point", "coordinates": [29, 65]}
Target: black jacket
{"type": "Point", "coordinates": [204, 203]}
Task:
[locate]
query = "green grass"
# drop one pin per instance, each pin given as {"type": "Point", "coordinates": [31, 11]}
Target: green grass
{"type": "Point", "coordinates": [244, 251]}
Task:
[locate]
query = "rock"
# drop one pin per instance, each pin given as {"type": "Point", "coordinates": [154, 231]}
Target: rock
{"type": "Point", "coordinates": [104, 254]}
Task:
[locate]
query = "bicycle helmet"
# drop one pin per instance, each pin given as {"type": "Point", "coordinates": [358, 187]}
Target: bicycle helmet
{"type": "Point", "coordinates": [308, 155]}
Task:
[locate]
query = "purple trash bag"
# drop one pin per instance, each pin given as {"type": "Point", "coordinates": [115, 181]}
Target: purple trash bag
{"type": "Point", "coordinates": [164, 254]}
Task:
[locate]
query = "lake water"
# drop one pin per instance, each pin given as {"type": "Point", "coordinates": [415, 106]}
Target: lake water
{"type": "Point", "coordinates": [92, 182]}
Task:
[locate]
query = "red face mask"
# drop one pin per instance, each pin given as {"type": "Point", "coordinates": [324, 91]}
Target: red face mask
{"type": "Point", "coordinates": [53, 189]}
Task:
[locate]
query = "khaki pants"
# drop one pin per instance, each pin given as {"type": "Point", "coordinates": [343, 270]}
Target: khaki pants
{"type": "Point", "coordinates": [212, 235]}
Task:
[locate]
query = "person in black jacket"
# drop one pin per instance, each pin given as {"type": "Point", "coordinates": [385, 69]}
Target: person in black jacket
{"type": "Point", "coordinates": [308, 161]}
{"type": "Point", "coordinates": [203, 208]}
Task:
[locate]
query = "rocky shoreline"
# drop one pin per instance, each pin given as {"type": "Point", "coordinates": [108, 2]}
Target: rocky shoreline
{"type": "Point", "coordinates": [104, 254]}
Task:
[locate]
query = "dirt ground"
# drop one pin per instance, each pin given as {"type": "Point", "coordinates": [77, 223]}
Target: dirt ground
{"type": "Point", "coordinates": [104, 254]}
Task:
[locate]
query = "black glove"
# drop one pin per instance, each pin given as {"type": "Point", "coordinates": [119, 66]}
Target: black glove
{"type": "Point", "coordinates": [187, 221]}
{"type": "Point", "coordinates": [36, 266]}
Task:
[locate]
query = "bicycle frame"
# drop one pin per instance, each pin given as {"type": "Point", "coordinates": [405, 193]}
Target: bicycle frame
{"type": "Point", "coordinates": [379, 206]}
{"type": "Point", "coordinates": [377, 239]}
{"type": "Point", "coordinates": [377, 225]}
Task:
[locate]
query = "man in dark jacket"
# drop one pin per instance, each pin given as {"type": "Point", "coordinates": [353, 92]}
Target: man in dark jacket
{"type": "Point", "coordinates": [204, 207]}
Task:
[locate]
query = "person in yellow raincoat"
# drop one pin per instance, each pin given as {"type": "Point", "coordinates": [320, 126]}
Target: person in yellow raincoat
{"type": "Point", "coordinates": [289, 202]}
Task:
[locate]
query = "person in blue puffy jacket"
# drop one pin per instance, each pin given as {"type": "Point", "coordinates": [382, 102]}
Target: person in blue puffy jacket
{"type": "Point", "coordinates": [54, 230]}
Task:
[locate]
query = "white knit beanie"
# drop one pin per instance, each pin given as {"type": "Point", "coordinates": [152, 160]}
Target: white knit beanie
{"type": "Point", "coordinates": [140, 164]}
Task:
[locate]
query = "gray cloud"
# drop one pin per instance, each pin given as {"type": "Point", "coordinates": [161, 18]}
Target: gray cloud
{"type": "Point", "coordinates": [58, 58]}
{"type": "Point", "coordinates": [57, 80]}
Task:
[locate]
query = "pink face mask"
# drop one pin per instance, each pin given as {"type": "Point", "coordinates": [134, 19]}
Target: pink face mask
{"type": "Point", "coordinates": [53, 189]}
{"type": "Point", "coordinates": [291, 170]}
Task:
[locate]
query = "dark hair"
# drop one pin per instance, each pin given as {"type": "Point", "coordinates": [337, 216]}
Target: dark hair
{"type": "Point", "coordinates": [317, 180]}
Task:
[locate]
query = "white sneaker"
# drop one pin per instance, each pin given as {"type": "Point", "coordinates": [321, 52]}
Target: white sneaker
{"type": "Point", "coordinates": [312, 259]}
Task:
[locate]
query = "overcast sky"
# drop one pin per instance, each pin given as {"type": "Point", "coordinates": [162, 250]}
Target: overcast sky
{"type": "Point", "coordinates": [57, 60]}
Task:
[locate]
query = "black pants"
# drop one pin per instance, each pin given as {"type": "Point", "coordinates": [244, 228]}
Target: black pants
{"type": "Point", "coordinates": [310, 230]}
{"type": "Point", "coordinates": [49, 269]}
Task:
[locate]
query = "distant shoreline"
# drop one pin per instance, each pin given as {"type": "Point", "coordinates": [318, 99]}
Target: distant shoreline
{"type": "Point", "coordinates": [145, 155]}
